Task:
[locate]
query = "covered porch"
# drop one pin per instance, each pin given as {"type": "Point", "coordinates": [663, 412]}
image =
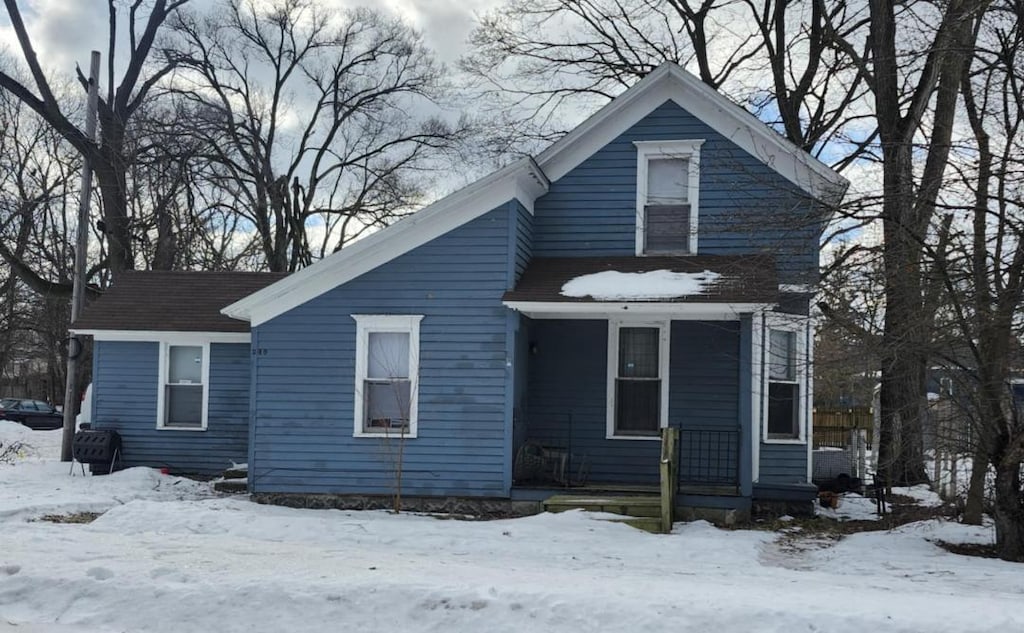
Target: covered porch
{"type": "Point", "coordinates": [598, 379]}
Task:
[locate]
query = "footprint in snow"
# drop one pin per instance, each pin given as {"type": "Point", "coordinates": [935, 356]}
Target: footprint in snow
{"type": "Point", "coordinates": [9, 570]}
{"type": "Point", "coordinates": [100, 573]}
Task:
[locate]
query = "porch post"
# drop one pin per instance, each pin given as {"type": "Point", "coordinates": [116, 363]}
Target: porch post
{"type": "Point", "coordinates": [669, 470]}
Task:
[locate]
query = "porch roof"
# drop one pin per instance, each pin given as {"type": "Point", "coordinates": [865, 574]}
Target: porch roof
{"type": "Point", "coordinates": [721, 279]}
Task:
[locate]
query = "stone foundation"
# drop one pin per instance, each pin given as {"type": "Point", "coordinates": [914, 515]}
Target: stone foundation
{"type": "Point", "coordinates": [775, 509]}
{"type": "Point", "coordinates": [475, 507]}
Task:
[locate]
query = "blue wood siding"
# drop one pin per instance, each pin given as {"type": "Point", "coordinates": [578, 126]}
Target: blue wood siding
{"type": "Point", "coordinates": [523, 238]}
{"type": "Point", "coordinates": [125, 399]}
{"type": "Point", "coordinates": [566, 397]}
{"type": "Point", "coordinates": [744, 206]}
{"type": "Point", "coordinates": [783, 463]}
{"type": "Point", "coordinates": [704, 399]}
{"type": "Point", "coordinates": [567, 405]}
{"type": "Point", "coordinates": [303, 422]}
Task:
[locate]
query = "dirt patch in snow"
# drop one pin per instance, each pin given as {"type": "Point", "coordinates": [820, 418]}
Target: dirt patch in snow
{"type": "Point", "coordinates": [75, 517]}
{"type": "Point", "coordinates": [980, 550]}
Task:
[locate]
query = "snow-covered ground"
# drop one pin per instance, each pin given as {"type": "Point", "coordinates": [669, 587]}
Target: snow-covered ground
{"type": "Point", "coordinates": [169, 556]}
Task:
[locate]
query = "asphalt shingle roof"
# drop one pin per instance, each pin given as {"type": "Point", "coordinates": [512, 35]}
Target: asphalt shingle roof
{"type": "Point", "coordinates": [744, 278]}
{"type": "Point", "coordinates": [179, 301]}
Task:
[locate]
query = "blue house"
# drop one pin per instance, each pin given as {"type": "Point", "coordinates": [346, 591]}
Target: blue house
{"type": "Point", "coordinates": [651, 269]}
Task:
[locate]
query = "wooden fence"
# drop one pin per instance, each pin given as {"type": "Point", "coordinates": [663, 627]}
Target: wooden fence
{"type": "Point", "coordinates": [832, 426]}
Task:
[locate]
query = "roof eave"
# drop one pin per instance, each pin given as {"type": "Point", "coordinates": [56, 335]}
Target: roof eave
{"type": "Point", "coordinates": [213, 336]}
{"type": "Point", "coordinates": [693, 310]}
{"type": "Point", "coordinates": [523, 180]}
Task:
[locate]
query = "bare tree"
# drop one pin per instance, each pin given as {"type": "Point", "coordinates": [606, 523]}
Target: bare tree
{"type": "Point", "coordinates": [540, 58]}
{"type": "Point", "coordinates": [37, 185]}
{"type": "Point", "coordinates": [124, 96]}
{"type": "Point", "coordinates": [983, 272]}
{"type": "Point", "coordinates": [320, 120]}
{"type": "Point", "coordinates": [915, 105]}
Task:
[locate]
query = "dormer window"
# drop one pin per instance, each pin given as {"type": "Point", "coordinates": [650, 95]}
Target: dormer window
{"type": "Point", "coordinates": [668, 178]}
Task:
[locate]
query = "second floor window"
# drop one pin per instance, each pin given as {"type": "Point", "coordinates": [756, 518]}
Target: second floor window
{"type": "Point", "coordinates": [667, 183]}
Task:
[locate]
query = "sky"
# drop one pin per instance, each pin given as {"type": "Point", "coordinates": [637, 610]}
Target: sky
{"type": "Point", "coordinates": [65, 31]}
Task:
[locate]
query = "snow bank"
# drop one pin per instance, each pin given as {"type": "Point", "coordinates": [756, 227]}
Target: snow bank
{"type": "Point", "coordinates": [921, 494]}
{"type": "Point", "coordinates": [166, 557]}
{"type": "Point", "coordinates": [39, 444]}
{"type": "Point", "coordinates": [37, 484]}
{"type": "Point", "coordinates": [229, 565]}
{"type": "Point", "coordinates": [612, 285]}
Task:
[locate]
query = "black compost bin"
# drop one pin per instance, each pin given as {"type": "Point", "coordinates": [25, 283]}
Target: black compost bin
{"type": "Point", "coordinates": [98, 448]}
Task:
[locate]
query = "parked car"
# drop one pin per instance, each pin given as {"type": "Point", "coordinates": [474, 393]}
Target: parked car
{"type": "Point", "coordinates": [35, 414]}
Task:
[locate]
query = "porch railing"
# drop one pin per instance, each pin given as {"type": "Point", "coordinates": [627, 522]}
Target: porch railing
{"type": "Point", "coordinates": [709, 457]}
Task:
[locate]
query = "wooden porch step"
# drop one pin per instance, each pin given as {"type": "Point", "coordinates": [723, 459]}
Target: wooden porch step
{"type": "Point", "coordinates": [231, 486]}
{"type": "Point", "coordinates": [647, 524]}
{"type": "Point", "coordinates": [235, 473]}
{"type": "Point", "coordinates": [632, 505]}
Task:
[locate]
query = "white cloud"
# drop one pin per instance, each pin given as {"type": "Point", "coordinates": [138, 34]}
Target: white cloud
{"type": "Point", "coordinates": [63, 33]}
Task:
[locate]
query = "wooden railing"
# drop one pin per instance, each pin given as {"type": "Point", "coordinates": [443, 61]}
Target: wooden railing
{"type": "Point", "coordinates": [669, 476]}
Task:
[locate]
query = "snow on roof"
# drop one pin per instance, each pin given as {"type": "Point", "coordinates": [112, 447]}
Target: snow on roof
{"type": "Point", "coordinates": [612, 285]}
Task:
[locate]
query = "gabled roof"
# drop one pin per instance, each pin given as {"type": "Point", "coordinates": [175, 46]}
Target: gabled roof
{"type": "Point", "coordinates": [182, 301]}
{"type": "Point", "coordinates": [669, 82]}
{"type": "Point", "coordinates": [527, 179]}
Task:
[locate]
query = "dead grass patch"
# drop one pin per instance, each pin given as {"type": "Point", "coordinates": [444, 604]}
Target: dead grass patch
{"type": "Point", "coordinates": [980, 550]}
{"type": "Point", "coordinates": [76, 517]}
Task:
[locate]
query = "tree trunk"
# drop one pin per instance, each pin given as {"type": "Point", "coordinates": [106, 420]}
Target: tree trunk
{"type": "Point", "coordinates": [901, 459]}
{"type": "Point", "coordinates": [975, 506]}
{"type": "Point", "coordinates": [115, 218]}
{"type": "Point", "coordinates": [1009, 510]}
{"type": "Point", "coordinates": [166, 253]}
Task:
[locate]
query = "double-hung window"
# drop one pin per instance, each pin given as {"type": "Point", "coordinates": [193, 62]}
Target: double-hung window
{"type": "Point", "coordinates": [387, 375]}
{"type": "Point", "coordinates": [786, 379]}
{"type": "Point", "coordinates": [637, 379]}
{"type": "Point", "coordinates": [184, 374]}
{"type": "Point", "coordinates": [668, 179]}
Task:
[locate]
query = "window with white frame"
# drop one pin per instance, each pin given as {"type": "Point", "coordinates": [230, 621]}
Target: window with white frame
{"type": "Point", "coordinates": [668, 180]}
{"type": "Point", "coordinates": [786, 383]}
{"type": "Point", "coordinates": [387, 374]}
{"type": "Point", "coordinates": [184, 374]}
{"type": "Point", "coordinates": [637, 379]}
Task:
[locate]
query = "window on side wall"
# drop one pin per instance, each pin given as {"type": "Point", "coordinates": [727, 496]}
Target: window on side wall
{"type": "Point", "coordinates": [638, 368]}
{"type": "Point", "coordinates": [786, 383]}
{"type": "Point", "coordinates": [387, 375]}
{"type": "Point", "coordinates": [184, 372]}
{"type": "Point", "coordinates": [668, 179]}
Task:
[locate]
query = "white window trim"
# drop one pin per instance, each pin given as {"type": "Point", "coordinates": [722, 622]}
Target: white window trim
{"type": "Point", "coordinates": [365, 324]}
{"type": "Point", "coordinates": [800, 325]}
{"type": "Point", "coordinates": [648, 150]}
{"type": "Point", "coordinates": [664, 336]}
{"type": "Point", "coordinates": [161, 411]}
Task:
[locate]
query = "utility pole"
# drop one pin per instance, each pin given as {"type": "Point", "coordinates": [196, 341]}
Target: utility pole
{"type": "Point", "coordinates": [81, 249]}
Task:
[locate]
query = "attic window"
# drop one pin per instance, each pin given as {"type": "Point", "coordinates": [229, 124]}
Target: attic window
{"type": "Point", "coordinates": [668, 178]}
